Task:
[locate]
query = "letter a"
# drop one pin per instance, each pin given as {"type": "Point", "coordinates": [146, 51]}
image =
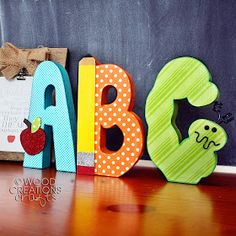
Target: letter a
{"type": "Point", "coordinates": [58, 121]}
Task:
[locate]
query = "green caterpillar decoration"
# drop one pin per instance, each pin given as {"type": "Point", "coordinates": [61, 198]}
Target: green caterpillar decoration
{"type": "Point", "coordinates": [188, 160]}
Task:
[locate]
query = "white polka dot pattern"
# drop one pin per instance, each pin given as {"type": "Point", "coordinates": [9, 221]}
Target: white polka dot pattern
{"type": "Point", "coordinates": [117, 113]}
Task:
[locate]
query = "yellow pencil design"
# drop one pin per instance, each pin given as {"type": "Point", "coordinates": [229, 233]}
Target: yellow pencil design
{"type": "Point", "coordinates": [86, 116]}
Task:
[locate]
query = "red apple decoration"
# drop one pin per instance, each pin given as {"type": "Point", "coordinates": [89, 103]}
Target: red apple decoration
{"type": "Point", "coordinates": [33, 138]}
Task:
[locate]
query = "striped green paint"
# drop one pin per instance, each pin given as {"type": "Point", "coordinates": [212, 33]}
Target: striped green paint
{"type": "Point", "coordinates": [188, 160]}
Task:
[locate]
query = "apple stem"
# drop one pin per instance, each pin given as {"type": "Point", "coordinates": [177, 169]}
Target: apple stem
{"type": "Point", "coordinates": [27, 122]}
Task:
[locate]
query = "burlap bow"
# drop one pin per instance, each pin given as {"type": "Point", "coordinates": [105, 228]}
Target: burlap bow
{"type": "Point", "coordinates": [13, 59]}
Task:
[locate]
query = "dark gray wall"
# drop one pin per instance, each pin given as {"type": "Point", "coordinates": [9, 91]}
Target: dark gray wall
{"type": "Point", "coordinates": [140, 36]}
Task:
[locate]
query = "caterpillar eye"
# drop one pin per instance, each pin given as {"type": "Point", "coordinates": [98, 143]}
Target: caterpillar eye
{"type": "Point", "coordinates": [214, 129]}
{"type": "Point", "coordinates": [206, 127]}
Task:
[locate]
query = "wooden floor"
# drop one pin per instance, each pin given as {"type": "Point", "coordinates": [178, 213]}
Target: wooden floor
{"type": "Point", "coordinates": [140, 203]}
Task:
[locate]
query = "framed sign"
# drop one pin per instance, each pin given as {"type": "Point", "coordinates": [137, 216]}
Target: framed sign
{"type": "Point", "coordinates": [14, 107]}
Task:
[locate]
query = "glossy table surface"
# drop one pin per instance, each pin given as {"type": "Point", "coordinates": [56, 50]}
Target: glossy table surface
{"type": "Point", "coordinates": [139, 203]}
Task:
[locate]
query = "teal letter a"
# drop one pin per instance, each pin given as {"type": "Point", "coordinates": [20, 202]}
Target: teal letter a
{"type": "Point", "coordinates": [58, 121]}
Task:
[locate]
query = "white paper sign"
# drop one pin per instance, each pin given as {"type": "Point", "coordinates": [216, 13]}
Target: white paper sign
{"type": "Point", "coordinates": [14, 108]}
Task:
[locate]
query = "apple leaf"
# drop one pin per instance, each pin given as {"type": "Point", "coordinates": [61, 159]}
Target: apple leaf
{"type": "Point", "coordinates": [36, 125]}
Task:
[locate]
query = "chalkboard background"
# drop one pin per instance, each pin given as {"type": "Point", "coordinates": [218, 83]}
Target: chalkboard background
{"type": "Point", "coordinates": [141, 37]}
